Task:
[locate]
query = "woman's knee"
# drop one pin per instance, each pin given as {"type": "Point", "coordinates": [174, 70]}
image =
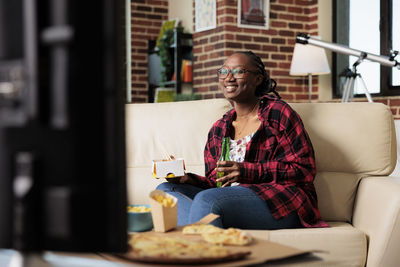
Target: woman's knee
{"type": "Point", "coordinates": [165, 187]}
{"type": "Point", "coordinates": [208, 198]}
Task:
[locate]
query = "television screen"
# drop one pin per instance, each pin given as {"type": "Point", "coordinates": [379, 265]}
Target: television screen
{"type": "Point", "coordinates": [62, 129]}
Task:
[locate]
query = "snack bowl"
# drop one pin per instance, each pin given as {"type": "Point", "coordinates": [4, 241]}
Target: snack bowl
{"type": "Point", "coordinates": [139, 221]}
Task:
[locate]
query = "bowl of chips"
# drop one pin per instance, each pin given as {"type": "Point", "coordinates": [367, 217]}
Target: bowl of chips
{"type": "Point", "coordinates": [139, 218]}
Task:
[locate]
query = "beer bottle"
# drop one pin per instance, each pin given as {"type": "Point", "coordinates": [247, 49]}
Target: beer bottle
{"type": "Point", "coordinates": [223, 157]}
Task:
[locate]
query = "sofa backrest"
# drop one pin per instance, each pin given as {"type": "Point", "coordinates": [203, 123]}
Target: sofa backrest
{"type": "Point", "coordinates": [351, 141]}
{"type": "Point", "coordinates": [179, 127]}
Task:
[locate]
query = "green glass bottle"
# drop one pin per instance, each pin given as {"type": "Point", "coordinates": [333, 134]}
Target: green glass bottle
{"type": "Point", "coordinates": [223, 157]}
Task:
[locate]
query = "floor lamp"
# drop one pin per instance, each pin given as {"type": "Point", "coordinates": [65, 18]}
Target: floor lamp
{"type": "Point", "coordinates": [308, 61]}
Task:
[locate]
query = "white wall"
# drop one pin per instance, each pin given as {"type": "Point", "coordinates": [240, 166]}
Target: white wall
{"type": "Point", "coordinates": [325, 32]}
{"type": "Point", "coordinates": [182, 9]}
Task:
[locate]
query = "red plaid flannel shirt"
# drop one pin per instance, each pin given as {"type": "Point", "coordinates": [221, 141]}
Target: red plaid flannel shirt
{"type": "Point", "coordinates": [279, 164]}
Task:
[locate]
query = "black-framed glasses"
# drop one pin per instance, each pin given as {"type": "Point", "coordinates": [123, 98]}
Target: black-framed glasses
{"type": "Point", "coordinates": [237, 73]}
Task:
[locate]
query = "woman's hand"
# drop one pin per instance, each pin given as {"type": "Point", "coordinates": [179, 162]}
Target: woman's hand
{"type": "Point", "coordinates": [231, 170]}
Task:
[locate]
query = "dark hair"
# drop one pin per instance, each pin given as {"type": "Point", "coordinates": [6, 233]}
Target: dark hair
{"type": "Point", "coordinates": [267, 85]}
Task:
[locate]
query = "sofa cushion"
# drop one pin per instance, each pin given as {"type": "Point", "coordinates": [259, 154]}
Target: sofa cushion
{"type": "Point", "coordinates": [336, 195]}
{"type": "Point", "coordinates": [339, 245]}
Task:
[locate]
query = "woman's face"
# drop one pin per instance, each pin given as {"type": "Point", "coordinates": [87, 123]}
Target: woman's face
{"type": "Point", "coordinates": [242, 88]}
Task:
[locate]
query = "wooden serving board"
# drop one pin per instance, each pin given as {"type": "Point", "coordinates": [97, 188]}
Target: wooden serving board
{"type": "Point", "coordinates": [258, 251]}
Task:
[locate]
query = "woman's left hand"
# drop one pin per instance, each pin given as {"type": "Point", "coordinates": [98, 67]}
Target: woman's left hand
{"type": "Point", "coordinates": [231, 170]}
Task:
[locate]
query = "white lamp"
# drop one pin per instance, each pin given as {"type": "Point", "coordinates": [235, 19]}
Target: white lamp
{"type": "Point", "coordinates": [309, 60]}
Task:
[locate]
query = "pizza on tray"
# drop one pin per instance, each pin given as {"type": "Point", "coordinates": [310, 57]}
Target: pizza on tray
{"type": "Point", "coordinates": [162, 249]}
{"type": "Point", "coordinates": [216, 235]}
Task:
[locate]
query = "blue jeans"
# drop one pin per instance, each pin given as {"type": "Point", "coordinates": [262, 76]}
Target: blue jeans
{"type": "Point", "coordinates": [237, 207]}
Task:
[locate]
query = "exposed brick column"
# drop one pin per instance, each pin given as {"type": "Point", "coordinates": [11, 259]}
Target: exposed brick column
{"type": "Point", "coordinates": [147, 17]}
{"type": "Point", "coordinates": [274, 46]}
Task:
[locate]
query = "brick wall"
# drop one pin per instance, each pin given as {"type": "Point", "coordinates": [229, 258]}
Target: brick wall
{"type": "Point", "coordinates": [147, 17]}
{"type": "Point", "coordinates": [212, 47]}
{"type": "Point", "coordinates": [274, 46]}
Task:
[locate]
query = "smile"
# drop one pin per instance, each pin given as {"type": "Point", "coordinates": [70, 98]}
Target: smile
{"type": "Point", "coordinates": [230, 88]}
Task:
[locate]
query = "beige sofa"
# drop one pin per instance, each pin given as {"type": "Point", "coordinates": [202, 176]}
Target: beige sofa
{"type": "Point", "coordinates": [355, 147]}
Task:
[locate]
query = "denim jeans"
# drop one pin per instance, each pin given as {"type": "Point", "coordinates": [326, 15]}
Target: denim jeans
{"type": "Point", "coordinates": [237, 207]}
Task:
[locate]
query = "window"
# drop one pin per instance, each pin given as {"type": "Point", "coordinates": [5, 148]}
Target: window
{"type": "Point", "coordinates": [371, 26]}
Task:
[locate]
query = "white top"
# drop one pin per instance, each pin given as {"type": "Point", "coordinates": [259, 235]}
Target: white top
{"type": "Point", "coordinates": [237, 149]}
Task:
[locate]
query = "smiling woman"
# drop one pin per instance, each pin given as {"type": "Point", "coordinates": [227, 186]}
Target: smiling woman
{"type": "Point", "coordinates": [271, 159]}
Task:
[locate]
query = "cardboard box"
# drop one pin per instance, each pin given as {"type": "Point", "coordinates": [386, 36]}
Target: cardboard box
{"type": "Point", "coordinates": [168, 168]}
{"type": "Point", "coordinates": [164, 218]}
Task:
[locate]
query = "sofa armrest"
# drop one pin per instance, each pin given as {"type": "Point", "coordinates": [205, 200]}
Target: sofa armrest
{"type": "Point", "coordinates": [377, 214]}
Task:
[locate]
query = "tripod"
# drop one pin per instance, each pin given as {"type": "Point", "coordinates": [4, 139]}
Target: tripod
{"type": "Point", "coordinates": [347, 87]}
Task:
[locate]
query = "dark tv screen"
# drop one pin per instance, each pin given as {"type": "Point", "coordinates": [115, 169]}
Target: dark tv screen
{"type": "Point", "coordinates": [62, 128]}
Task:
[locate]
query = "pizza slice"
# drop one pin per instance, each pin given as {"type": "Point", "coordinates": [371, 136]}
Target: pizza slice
{"type": "Point", "coordinates": [200, 229]}
{"type": "Point", "coordinates": [230, 236]}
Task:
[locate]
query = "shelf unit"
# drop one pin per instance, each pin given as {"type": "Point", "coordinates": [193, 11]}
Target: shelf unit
{"type": "Point", "coordinates": [180, 49]}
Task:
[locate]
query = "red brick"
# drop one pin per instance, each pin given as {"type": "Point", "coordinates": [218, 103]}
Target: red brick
{"type": "Point", "coordinates": [277, 7]}
{"type": "Point", "coordinates": [311, 10]}
{"type": "Point", "coordinates": [303, 2]}
{"type": "Point", "coordinates": [311, 26]}
{"type": "Point", "coordinates": [234, 45]}
{"type": "Point", "coordinates": [278, 41]}
{"type": "Point", "coordinates": [241, 37]}
{"type": "Point", "coordinates": [383, 101]}
{"type": "Point", "coordinates": [214, 38]}
{"type": "Point", "coordinates": [394, 102]}
{"type": "Point", "coordinates": [139, 85]}
{"type": "Point", "coordinates": [286, 17]}
{"type": "Point", "coordinates": [226, 19]}
{"type": "Point", "coordinates": [284, 65]}
{"type": "Point", "coordinates": [286, 33]}
{"type": "Point", "coordinates": [288, 49]}
{"type": "Point", "coordinates": [251, 30]}
{"type": "Point", "coordinates": [295, 89]}
{"type": "Point", "coordinates": [277, 56]}
{"type": "Point", "coordinates": [270, 64]}
{"type": "Point", "coordinates": [280, 73]}
{"type": "Point", "coordinates": [208, 48]}
{"type": "Point", "coordinates": [285, 81]}
{"type": "Point", "coordinates": [161, 10]}
{"type": "Point", "coordinates": [229, 36]}
{"type": "Point", "coordinates": [278, 24]}
{"type": "Point", "coordinates": [287, 97]}
{"type": "Point", "coordinates": [297, 10]}
{"type": "Point", "coordinates": [252, 46]}
{"type": "Point", "coordinates": [296, 26]}
{"type": "Point", "coordinates": [261, 39]}
{"type": "Point", "coordinates": [302, 18]}
{"type": "Point", "coordinates": [153, 31]}
{"type": "Point", "coordinates": [269, 32]}
{"type": "Point", "coordinates": [203, 57]}
{"type": "Point", "coordinates": [301, 96]}
{"type": "Point", "coordinates": [143, 8]}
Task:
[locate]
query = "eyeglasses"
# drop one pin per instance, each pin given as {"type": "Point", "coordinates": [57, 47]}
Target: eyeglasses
{"type": "Point", "coordinates": [237, 73]}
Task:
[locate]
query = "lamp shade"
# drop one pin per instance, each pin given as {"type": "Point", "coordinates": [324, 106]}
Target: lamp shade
{"type": "Point", "coordinates": [308, 59]}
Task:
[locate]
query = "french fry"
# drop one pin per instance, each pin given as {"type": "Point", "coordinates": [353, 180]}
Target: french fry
{"type": "Point", "coordinates": [165, 201]}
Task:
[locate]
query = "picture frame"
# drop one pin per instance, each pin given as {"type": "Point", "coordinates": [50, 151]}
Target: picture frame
{"type": "Point", "coordinates": [205, 15]}
{"type": "Point", "coordinates": [253, 14]}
